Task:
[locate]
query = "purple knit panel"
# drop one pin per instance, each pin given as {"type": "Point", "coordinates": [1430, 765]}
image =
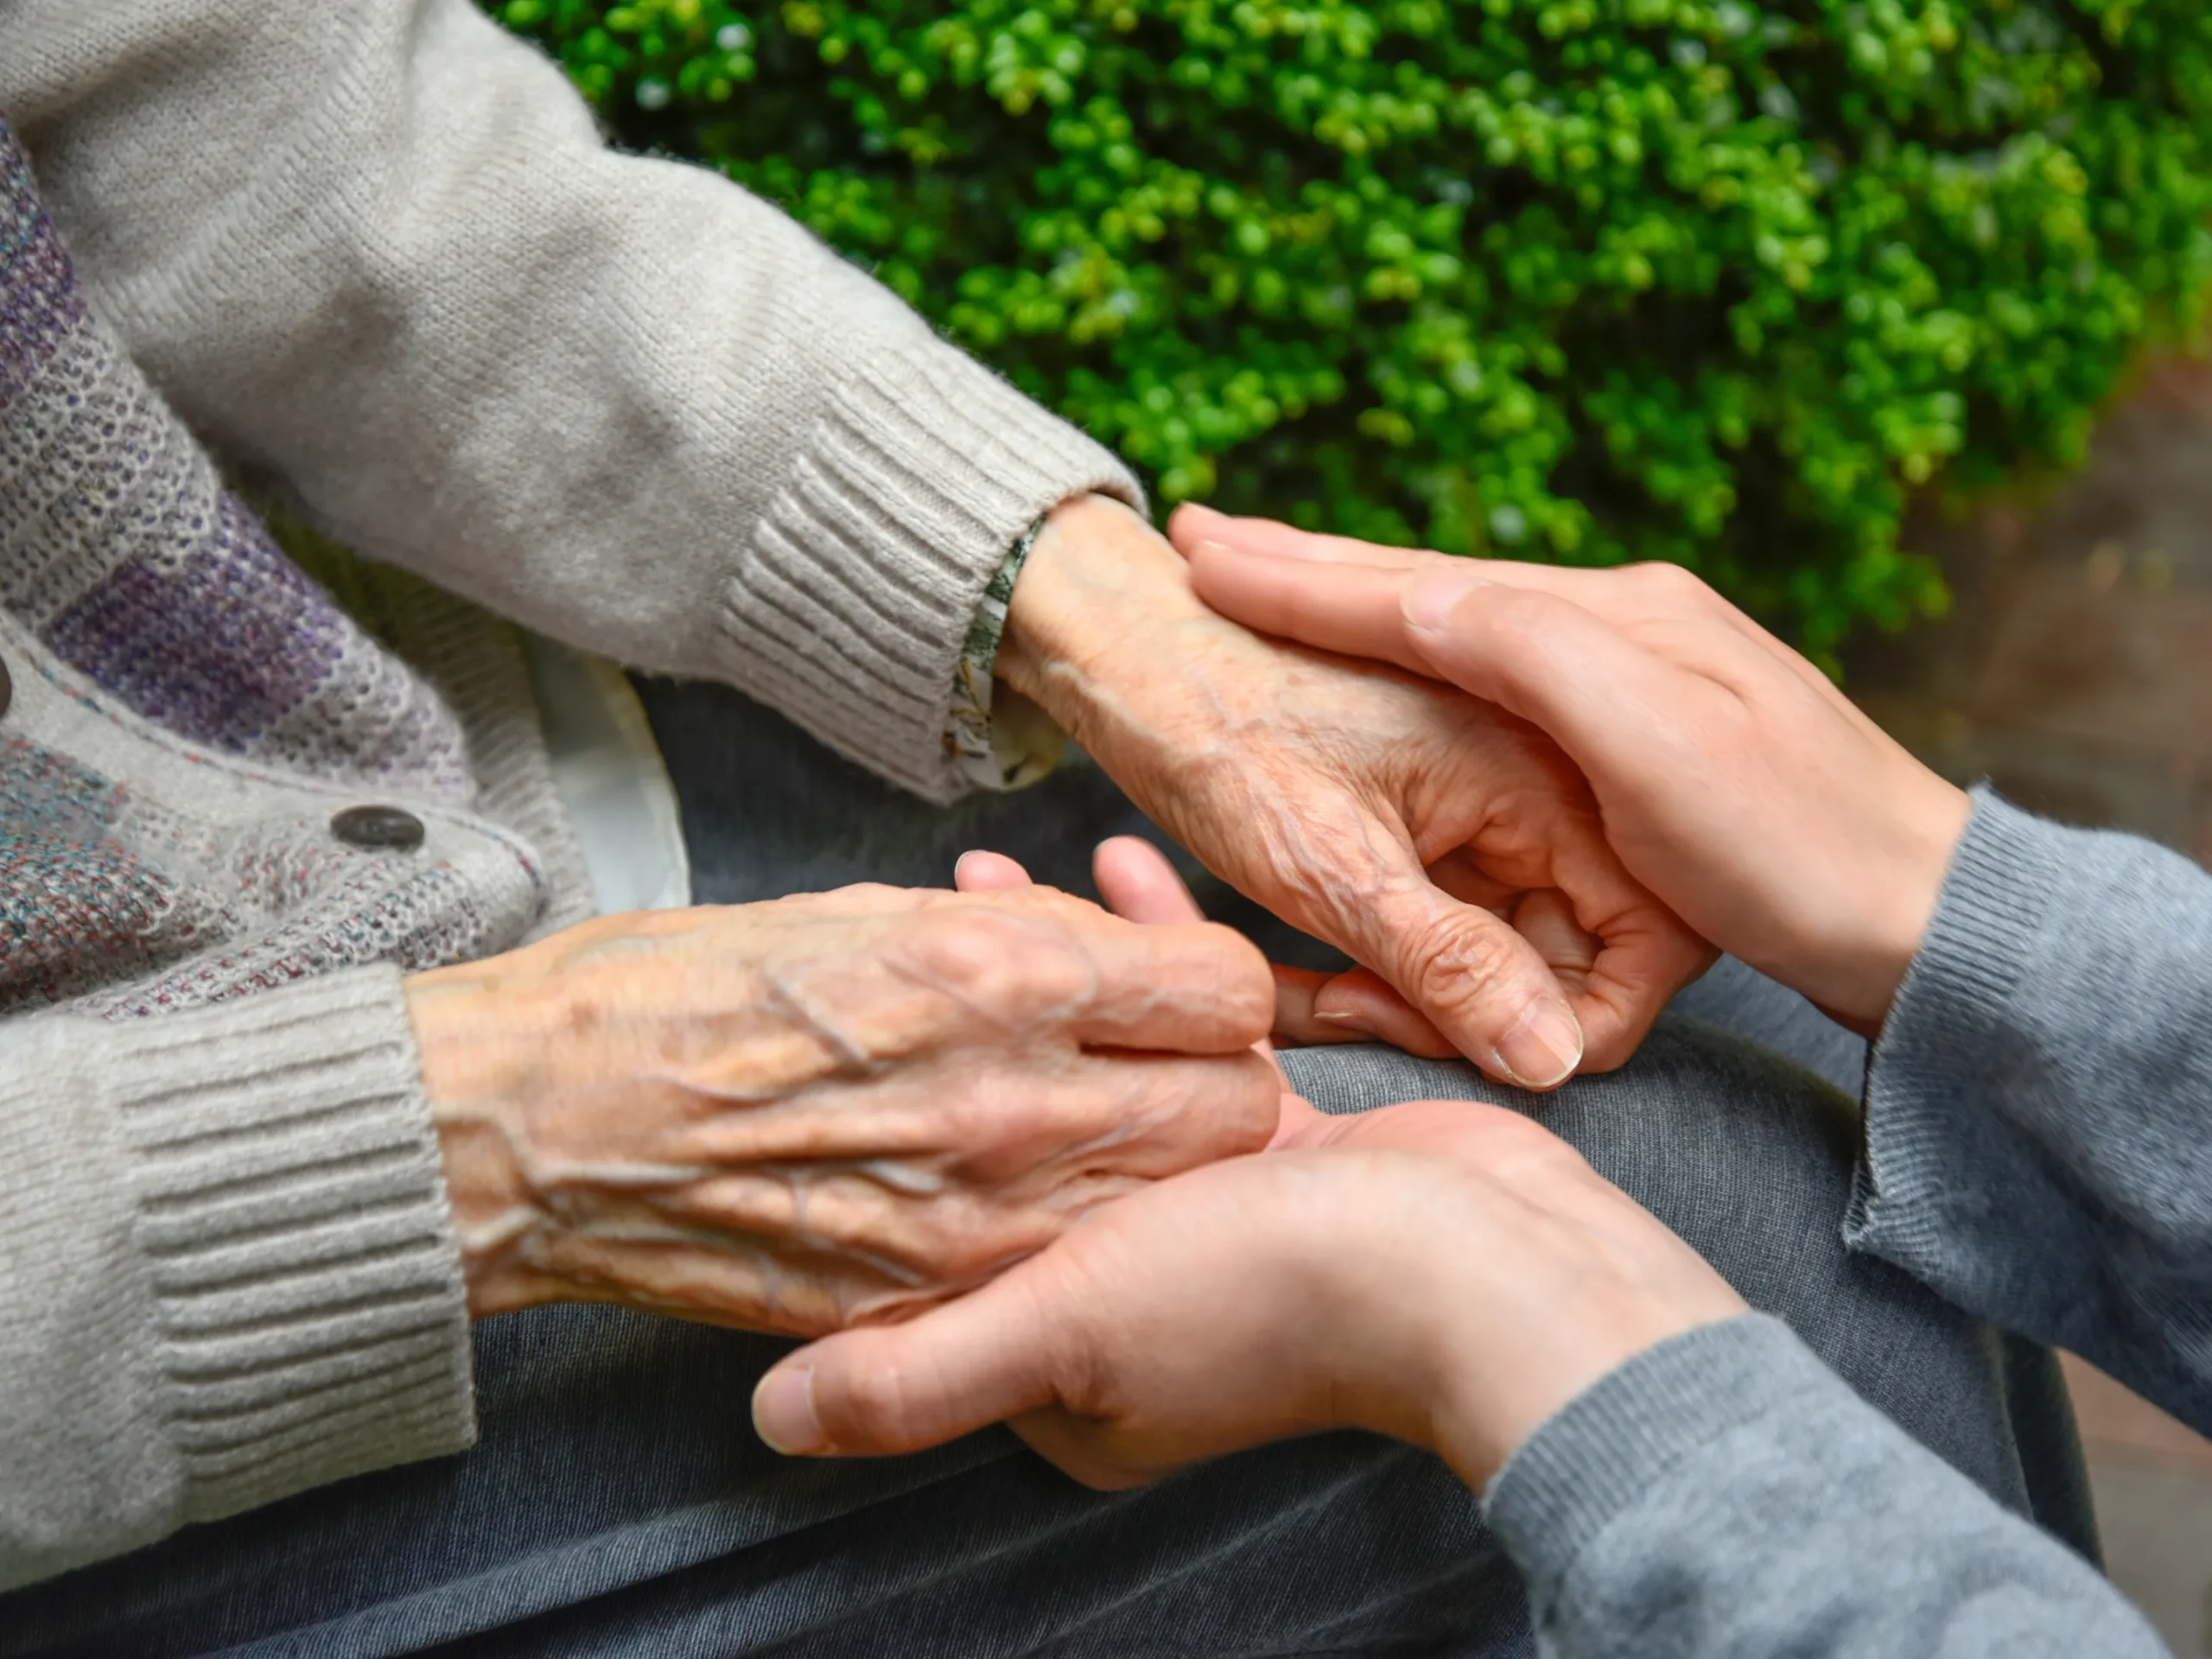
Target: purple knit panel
{"type": "Point", "coordinates": [140, 572]}
{"type": "Point", "coordinates": [215, 642]}
{"type": "Point", "coordinates": [213, 639]}
{"type": "Point", "coordinates": [39, 303]}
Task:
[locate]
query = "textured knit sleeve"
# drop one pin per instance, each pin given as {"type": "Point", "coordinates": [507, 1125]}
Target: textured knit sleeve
{"type": "Point", "coordinates": [1725, 1495]}
{"type": "Point", "coordinates": [378, 252]}
{"type": "Point", "coordinates": [2039, 1108]}
{"type": "Point", "coordinates": [226, 1266]}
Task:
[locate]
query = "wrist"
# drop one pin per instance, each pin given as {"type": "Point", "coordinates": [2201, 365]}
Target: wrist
{"type": "Point", "coordinates": [1492, 1402]}
{"type": "Point", "coordinates": [1855, 973]}
{"type": "Point", "coordinates": [1465, 1325]}
{"type": "Point", "coordinates": [1936, 825]}
{"type": "Point", "coordinates": [1586, 1279]}
{"type": "Point", "coordinates": [469, 1059]}
{"type": "Point", "coordinates": [1096, 574]}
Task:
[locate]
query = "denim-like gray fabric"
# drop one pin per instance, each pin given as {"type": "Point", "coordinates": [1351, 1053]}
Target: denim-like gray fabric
{"type": "Point", "coordinates": [619, 1504]}
{"type": "Point", "coordinates": [1736, 997]}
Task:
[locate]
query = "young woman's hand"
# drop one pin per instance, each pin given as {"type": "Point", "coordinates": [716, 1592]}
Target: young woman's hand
{"type": "Point", "coordinates": [1735, 781]}
{"type": "Point", "coordinates": [1446, 846]}
{"type": "Point", "coordinates": [1447, 1273]}
{"type": "Point", "coordinates": [799, 1115]}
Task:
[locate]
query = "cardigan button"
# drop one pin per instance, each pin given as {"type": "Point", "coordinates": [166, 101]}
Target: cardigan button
{"type": "Point", "coordinates": [380, 829]}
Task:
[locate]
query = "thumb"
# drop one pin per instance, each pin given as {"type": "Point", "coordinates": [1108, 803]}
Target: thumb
{"type": "Point", "coordinates": [1476, 980]}
{"type": "Point", "coordinates": [884, 1389]}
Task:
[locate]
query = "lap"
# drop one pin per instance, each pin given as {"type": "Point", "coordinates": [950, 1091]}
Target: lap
{"type": "Point", "coordinates": [1750, 1158]}
{"type": "Point", "coordinates": [619, 1503]}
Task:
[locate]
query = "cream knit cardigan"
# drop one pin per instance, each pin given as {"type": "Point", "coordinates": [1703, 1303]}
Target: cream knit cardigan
{"type": "Point", "coordinates": [375, 255]}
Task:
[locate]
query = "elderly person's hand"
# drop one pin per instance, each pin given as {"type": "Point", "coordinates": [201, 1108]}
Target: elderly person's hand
{"type": "Point", "coordinates": [1471, 1272]}
{"type": "Point", "coordinates": [1447, 1273]}
{"type": "Point", "coordinates": [1736, 782]}
{"type": "Point", "coordinates": [830, 1109]}
{"type": "Point", "coordinates": [1447, 846]}
{"type": "Point", "coordinates": [1136, 881]}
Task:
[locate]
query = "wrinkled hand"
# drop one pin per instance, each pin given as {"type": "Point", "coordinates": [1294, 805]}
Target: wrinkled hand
{"type": "Point", "coordinates": [828, 1109]}
{"type": "Point", "coordinates": [1136, 881]}
{"type": "Point", "coordinates": [1448, 847]}
{"type": "Point", "coordinates": [1736, 782]}
{"type": "Point", "coordinates": [1447, 1273]}
{"type": "Point", "coordinates": [1271, 1297]}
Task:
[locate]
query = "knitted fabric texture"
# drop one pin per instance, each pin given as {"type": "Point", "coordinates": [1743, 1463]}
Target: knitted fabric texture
{"type": "Point", "coordinates": [380, 255]}
{"type": "Point", "coordinates": [151, 592]}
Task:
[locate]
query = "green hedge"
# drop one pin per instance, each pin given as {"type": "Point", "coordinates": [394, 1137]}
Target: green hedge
{"type": "Point", "coordinates": [1589, 280]}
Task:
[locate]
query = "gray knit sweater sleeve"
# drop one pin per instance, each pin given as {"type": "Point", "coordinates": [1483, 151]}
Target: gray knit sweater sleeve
{"type": "Point", "coordinates": [2039, 1109]}
{"type": "Point", "coordinates": [226, 1266]}
{"type": "Point", "coordinates": [1725, 1495]}
{"type": "Point", "coordinates": [2038, 1149]}
{"type": "Point", "coordinates": [378, 252]}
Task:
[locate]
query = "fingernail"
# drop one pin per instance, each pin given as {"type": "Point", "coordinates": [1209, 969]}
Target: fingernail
{"type": "Point", "coordinates": [1543, 1050]}
{"type": "Point", "coordinates": [783, 1411]}
{"type": "Point", "coordinates": [1345, 1019]}
{"type": "Point", "coordinates": [1430, 600]}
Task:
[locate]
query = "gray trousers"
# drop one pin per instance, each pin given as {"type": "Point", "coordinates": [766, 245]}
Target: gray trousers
{"type": "Point", "coordinates": [618, 1504]}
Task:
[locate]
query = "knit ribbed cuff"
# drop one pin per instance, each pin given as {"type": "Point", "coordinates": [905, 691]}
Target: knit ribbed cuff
{"type": "Point", "coordinates": [1612, 1446]}
{"type": "Point", "coordinates": [1941, 1040]}
{"type": "Point", "coordinates": [311, 1318]}
{"type": "Point", "coordinates": [858, 589]}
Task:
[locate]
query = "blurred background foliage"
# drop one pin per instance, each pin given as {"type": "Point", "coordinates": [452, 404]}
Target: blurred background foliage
{"type": "Point", "coordinates": [1711, 281]}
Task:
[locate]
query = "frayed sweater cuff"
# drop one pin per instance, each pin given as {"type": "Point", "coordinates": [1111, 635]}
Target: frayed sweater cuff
{"type": "Point", "coordinates": [862, 581]}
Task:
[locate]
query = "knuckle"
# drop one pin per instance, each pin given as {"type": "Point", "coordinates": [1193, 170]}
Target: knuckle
{"type": "Point", "coordinates": [960, 950]}
{"type": "Point", "coordinates": [1671, 586]}
{"type": "Point", "coordinates": [1460, 963]}
{"type": "Point", "coordinates": [1003, 1117]}
{"type": "Point", "coordinates": [992, 962]}
{"type": "Point", "coordinates": [965, 1253]}
{"type": "Point", "coordinates": [1520, 1152]}
{"type": "Point", "coordinates": [1243, 985]}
